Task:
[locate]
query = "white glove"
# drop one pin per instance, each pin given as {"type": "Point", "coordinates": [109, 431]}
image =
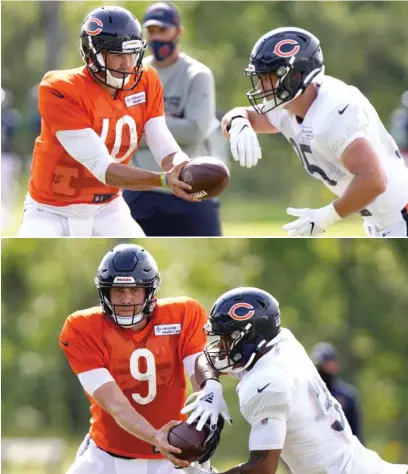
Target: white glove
{"type": "Point", "coordinates": [195, 468]}
{"type": "Point", "coordinates": [311, 222]}
{"type": "Point", "coordinates": [209, 402]}
{"type": "Point", "coordinates": [244, 143]}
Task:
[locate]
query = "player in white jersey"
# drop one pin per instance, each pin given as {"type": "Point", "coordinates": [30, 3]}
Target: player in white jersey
{"type": "Point", "coordinates": [333, 128]}
{"type": "Point", "coordinates": [281, 395]}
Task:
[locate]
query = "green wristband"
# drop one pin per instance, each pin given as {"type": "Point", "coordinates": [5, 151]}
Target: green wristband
{"type": "Point", "coordinates": [163, 180]}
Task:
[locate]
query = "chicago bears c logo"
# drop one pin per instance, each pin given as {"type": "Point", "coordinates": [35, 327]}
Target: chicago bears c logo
{"type": "Point", "coordinates": [91, 30]}
{"type": "Point", "coordinates": [286, 54]}
{"type": "Point", "coordinates": [241, 317]}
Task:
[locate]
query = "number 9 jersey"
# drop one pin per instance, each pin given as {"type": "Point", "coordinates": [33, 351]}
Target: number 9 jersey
{"type": "Point", "coordinates": [73, 100]}
{"type": "Point", "coordinates": [147, 365]}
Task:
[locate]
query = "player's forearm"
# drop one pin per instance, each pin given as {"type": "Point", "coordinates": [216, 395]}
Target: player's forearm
{"type": "Point", "coordinates": [134, 423]}
{"type": "Point", "coordinates": [363, 189]}
{"type": "Point", "coordinates": [203, 371]}
{"type": "Point", "coordinates": [129, 177]}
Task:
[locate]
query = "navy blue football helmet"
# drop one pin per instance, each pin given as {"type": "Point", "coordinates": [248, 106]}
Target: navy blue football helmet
{"type": "Point", "coordinates": [117, 31]}
{"type": "Point", "coordinates": [246, 323]}
{"type": "Point", "coordinates": [283, 63]}
{"type": "Point", "coordinates": [128, 265]}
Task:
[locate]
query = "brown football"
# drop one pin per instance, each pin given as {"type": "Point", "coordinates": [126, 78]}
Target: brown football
{"type": "Point", "coordinates": [206, 175]}
{"type": "Point", "coordinates": [189, 440]}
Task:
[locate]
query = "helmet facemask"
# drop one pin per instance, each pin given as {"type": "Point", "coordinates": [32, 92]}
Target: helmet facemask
{"type": "Point", "coordinates": [140, 311]}
{"type": "Point", "coordinates": [240, 351]}
{"type": "Point", "coordinates": [95, 59]}
{"type": "Point", "coordinates": [275, 89]}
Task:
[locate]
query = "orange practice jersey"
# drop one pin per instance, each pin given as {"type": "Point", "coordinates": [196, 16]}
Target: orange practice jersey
{"type": "Point", "coordinates": [175, 331]}
{"type": "Point", "coordinates": [73, 100]}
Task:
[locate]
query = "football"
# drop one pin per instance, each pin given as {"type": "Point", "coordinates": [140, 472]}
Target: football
{"type": "Point", "coordinates": [189, 440]}
{"type": "Point", "coordinates": [206, 175]}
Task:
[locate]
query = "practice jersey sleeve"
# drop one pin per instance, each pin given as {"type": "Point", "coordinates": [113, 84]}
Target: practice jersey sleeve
{"type": "Point", "coordinates": [59, 110]}
{"type": "Point", "coordinates": [343, 129]}
{"type": "Point", "coordinates": [193, 338]}
{"type": "Point", "coordinates": [268, 433]}
{"type": "Point", "coordinates": [268, 403]}
{"type": "Point", "coordinates": [155, 99]}
{"type": "Point", "coordinates": [82, 346]}
{"type": "Point", "coordinates": [275, 118]}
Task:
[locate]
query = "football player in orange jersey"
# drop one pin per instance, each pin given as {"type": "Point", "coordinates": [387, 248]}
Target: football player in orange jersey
{"type": "Point", "coordinates": [93, 118]}
{"type": "Point", "coordinates": [130, 355]}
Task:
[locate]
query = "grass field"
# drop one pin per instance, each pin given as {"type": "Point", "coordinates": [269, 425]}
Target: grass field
{"type": "Point", "coordinates": [240, 218]}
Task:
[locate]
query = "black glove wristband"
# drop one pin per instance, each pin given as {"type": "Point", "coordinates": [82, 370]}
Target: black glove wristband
{"type": "Point", "coordinates": [206, 380]}
{"type": "Point", "coordinates": [228, 128]}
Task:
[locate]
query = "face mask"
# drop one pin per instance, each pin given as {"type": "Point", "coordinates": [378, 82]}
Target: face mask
{"type": "Point", "coordinates": [162, 49]}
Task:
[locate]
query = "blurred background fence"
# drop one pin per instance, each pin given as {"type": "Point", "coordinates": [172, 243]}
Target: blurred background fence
{"type": "Point", "coordinates": [350, 292]}
{"type": "Point", "coordinates": [364, 43]}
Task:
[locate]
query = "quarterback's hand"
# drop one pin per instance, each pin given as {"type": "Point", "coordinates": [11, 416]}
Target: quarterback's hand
{"type": "Point", "coordinates": [162, 444]}
{"type": "Point", "coordinates": [311, 222]}
{"type": "Point", "coordinates": [209, 402]}
{"type": "Point", "coordinates": [244, 143]}
{"type": "Point", "coordinates": [178, 187]}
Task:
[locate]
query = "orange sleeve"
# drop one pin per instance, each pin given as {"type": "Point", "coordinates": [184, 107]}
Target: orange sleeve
{"type": "Point", "coordinates": [155, 99]}
{"type": "Point", "coordinates": [193, 338]}
{"type": "Point", "coordinates": [59, 110]}
{"type": "Point", "coordinates": [82, 347]}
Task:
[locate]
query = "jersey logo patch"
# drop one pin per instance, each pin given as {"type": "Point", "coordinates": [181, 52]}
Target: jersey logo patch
{"type": "Point", "coordinates": [208, 398]}
{"type": "Point", "coordinates": [167, 329]}
{"type": "Point", "coordinates": [307, 132]}
{"type": "Point", "coordinates": [341, 112]}
{"type": "Point", "coordinates": [243, 315]}
{"type": "Point", "coordinates": [135, 99]}
{"type": "Point", "coordinates": [263, 388]}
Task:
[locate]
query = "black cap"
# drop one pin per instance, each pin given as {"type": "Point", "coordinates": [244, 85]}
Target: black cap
{"type": "Point", "coordinates": [162, 14]}
{"type": "Point", "coordinates": [323, 352]}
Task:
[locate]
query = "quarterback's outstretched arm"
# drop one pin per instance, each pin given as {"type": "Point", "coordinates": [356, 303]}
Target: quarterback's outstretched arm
{"type": "Point", "coordinates": [369, 180]}
{"type": "Point", "coordinates": [89, 149]}
{"type": "Point", "coordinates": [111, 398]}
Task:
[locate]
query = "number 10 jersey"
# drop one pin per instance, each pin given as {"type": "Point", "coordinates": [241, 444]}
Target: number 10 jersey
{"type": "Point", "coordinates": [73, 100]}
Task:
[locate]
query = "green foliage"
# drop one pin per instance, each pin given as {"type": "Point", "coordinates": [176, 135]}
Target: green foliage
{"type": "Point", "coordinates": [350, 292]}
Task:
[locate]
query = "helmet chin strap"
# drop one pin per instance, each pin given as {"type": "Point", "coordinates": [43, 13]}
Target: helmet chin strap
{"type": "Point", "coordinates": [315, 74]}
{"type": "Point", "coordinates": [122, 320]}
{"type": "Point", "coordinates": [115, 82]}
{"type": "Point", "coordinates": [255, 353]}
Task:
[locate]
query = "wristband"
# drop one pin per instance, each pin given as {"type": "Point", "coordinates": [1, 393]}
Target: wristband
{"type": "Point", "coordinates": [228, 127]}
{"type": "Point", "coordinates": [163, 180]}
{"type": "Point", "coordinates": [204, 382]}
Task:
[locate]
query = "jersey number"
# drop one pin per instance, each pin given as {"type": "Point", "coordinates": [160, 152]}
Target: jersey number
{"type": "Point", "coordinates": [325, 405]}
{"type": "Point", "coordinates": [63, 176]}
{"type": "Point", "coordinates": [149, 376]}
{"type": "Point", "coordinates": [301, 151]}
{"type": "Point", "coordinates": [125, 120]}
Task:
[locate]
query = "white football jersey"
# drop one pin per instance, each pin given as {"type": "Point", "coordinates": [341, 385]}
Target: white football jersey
{"type": "Point", "coordinates": [289, 407]}
{"type": "Point", "coordinates": [338, 116]}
